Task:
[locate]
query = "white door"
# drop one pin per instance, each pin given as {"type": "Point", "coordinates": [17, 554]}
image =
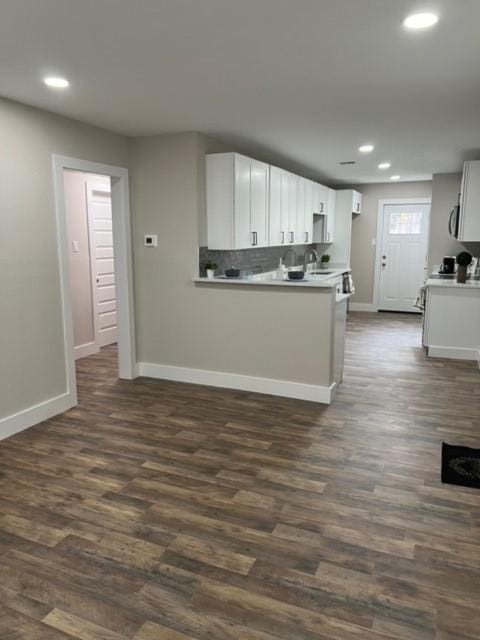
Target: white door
{"type": "Point", "coordinates": [101, 255]}
{"type": "Point", "coordinates": [403, 255]}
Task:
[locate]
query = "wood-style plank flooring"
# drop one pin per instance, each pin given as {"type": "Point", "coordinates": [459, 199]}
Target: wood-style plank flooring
{"type": "Point", "coordinates": [162, 511]}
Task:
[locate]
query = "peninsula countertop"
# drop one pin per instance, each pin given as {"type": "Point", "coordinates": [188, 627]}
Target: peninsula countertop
{"type": "Point", "coordinates": [471, 283]}
{"type": "Point", "coordinates": [318, 280]}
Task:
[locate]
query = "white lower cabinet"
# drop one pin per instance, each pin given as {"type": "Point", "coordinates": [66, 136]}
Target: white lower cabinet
{"type": "Point", "coordinates": [452, 322]}
{"type": "Point", "coordinates": [237, 202]}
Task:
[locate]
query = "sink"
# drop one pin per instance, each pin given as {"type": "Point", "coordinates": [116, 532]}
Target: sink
{"type": "Point", "coordinates": [323, 272]}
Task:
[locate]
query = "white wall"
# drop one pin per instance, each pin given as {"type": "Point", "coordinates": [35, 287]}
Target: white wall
{"type": "Point", "coordinates": [32, 366]}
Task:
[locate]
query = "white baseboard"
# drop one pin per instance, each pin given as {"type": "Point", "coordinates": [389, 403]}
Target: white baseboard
{"type": "Point", "coordinates": [33, 415]}
{"type": "Point", "coordinates": [456, 353]}
{"type": "Point", "coordinates": [284, 388]}
{"type": "Point", "coordinates": [84, 350]}
{"type": "Point", "coordinates": [362, 306]}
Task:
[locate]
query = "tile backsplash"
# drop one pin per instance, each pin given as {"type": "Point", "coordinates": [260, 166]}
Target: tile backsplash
{"type": "Point", "coordinates": [258, 259]}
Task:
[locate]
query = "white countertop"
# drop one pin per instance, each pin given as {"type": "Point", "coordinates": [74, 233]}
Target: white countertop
{"type": "Point", "coordinates": [453, 284]}
{"type": "Point", "coordinates": [315, 281]}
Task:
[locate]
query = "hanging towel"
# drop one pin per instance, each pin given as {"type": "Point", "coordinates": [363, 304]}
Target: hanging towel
{"type": "Point", "coordinates": [420, 300]}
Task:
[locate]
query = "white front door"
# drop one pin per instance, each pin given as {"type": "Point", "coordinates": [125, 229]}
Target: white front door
{"type": "Point", "coordinates": [403, 255]}
{"type": "Point", "coordinates": [101, 255]}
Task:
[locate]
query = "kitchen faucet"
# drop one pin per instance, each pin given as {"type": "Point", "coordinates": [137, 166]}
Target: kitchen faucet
{"type": "Point", "coordinates": [307, 255]}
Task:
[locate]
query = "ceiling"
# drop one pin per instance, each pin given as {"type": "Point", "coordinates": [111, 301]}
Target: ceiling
{"type": "Point", "coordinates": [307, 80]}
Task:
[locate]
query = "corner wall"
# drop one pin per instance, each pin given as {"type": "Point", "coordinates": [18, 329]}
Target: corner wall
{"type": "Point", "coordinates": [233, 330]}
{"type": "Point", "coordinates": [32, 363]}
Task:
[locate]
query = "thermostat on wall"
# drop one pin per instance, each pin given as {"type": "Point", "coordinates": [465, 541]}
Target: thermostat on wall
{"type": "Point", "coordinates": [151, 240]}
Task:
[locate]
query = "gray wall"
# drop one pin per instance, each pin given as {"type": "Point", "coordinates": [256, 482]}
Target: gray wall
{"type": "Point", "coordinates": [445, 190]}
{"type": "Point", "coordinates": [32, 366]}
{"type": "Point", "coordinates": [219, 328]}
{"type": "Point", "coordinates": [364, 230]}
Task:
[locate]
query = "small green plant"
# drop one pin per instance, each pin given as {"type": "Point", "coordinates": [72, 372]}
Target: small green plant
{"type": "Point", "coordinates": [211, 265]}
{"type": "Point", "coordinates": [325, 258]}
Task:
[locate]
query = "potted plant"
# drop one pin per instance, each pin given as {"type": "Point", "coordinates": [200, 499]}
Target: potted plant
{"type": "Point", "coordinates": [324, 260]}
{"type": "Point", "coordinates": [463, 261]}
{"type": "Point", "coordinates": [210, 269]}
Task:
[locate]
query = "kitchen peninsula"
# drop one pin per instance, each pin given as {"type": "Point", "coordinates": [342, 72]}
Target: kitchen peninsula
{"type": "Point", "coordinates": [289, 340]}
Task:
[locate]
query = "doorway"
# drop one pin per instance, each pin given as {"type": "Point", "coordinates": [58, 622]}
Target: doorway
{"type": "Point", "coordinates": [88, 209]}
{"type": "Point", "coordinates": [120, 258]}
{"type": "Point", "coordinates": [402, 251]}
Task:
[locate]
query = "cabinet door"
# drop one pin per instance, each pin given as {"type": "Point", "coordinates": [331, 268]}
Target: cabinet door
{"type": "Point", "coordinates": [278, 207]}
{"type": "Point", "coordinates": [242, 236]}
{"type": "Point", "coordinates": [301, 193]}
{"type": "Point", "coordinates": [292, 209]}
{"type": "Point", "coordinates": [469, 229]}
{"type": "Point", "coordinates": [308, 222]}
{"type": "Point", "coordinates": [320, 198]}
{"type": "Point", "coordinates": [330, 221]}
{"type": "Point", "coordinates": [258, 204]}
{"type": "Point", "coordinates": [357, 202]}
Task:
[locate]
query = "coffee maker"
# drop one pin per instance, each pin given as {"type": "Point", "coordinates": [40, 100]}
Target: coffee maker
{"type": "Point", "coordinates": [448, 265]}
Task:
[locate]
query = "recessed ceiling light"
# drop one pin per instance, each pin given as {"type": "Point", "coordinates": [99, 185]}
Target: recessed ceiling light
{"type": "Point", "coordinates": [394, 177]}
{"type": "Point", "coordinates": [56, 82]}
{"type": "Point", "coordinates": [420, 20]}
{"type": "Point", "coordinates": [366, 148]}
{"type": "Point", "coordinates": [384, 165]}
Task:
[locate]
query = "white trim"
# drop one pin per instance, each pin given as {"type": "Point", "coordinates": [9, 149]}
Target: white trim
{"type": "Point", "coordinates": [378, 245]}
{"type": "Point", "coordinates": [362, 306]}
{"type": "Point", "coordinates": [456, 353]}
{"type": "Point", "coordinates": [33, 415]}
{"type": "Point", "coordinates": [122, 261]}
{"type": "Point", "coordinates": [87, 349]}
{"type": "Point", "coordinates": [285, 388]}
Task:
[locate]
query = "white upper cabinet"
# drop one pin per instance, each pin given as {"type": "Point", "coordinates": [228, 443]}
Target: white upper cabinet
{"type": "Point", "coordinates": [320, 198]}
{"type": "Point", "coordinates": [252, 204]}
{"type": "Point", "coordinates": [330, 219]}
{"type": "Point", "coordinates": [292, 208]}
{"type": "Point", "coordinates": [237, 202]}
{"type": "Point", "coordinates": [279, 202]}
{"type": "Point", "coordinates": [469, 227]}
{"type": "Point", "coordinates": [308, 220]}
{"type": "Point", "coordinates": [356, 202]}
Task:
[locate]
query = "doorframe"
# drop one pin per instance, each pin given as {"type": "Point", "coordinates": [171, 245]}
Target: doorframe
{"type": "Point", "coordinates": [378, 245]}
{"type": "Point", "coordinates": [122, 264]}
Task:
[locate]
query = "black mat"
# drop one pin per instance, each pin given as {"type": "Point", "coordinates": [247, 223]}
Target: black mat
{"type": "Point", "coordinates": [461, 465]}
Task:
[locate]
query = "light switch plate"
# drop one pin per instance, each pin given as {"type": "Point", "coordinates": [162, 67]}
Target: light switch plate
{"type": "Point", "coordinates": [75, 247]}
{"type": "Point", "coordinates": [150, 240]}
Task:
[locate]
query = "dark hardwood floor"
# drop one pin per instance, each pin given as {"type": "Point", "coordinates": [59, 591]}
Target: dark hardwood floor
{"type": "Point", "coordinates": [164, 511]}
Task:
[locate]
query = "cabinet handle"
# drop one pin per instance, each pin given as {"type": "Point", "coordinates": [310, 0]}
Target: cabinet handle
{"type": "Point", "coordinates": [358, 207]}
{"type": "Point", "coordinates": [254, 238]}
{"type": "Point", "coordinates": [328, 236]}
{"type": "Point", "coordinates": [322, 207]}
{"type": "Point", "coordinates": [283, 237]}
{"type": "Point", "coordinates": [292, 236]}
{"type": "Point", "coordinates": [306, 236]}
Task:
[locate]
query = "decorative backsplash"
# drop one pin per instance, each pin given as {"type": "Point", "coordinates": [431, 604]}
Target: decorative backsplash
{"type": "Point", "coordinates": [258, 259]}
